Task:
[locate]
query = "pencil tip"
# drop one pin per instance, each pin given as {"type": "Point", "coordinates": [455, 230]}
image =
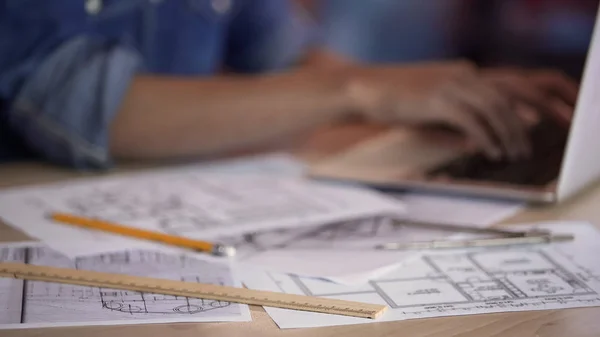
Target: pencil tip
{"type": "Point", "coordinates": [223, 250]}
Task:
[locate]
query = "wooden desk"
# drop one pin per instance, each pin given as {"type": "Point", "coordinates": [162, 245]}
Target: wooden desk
{"type": "Point", "coordinates": [559, 323]}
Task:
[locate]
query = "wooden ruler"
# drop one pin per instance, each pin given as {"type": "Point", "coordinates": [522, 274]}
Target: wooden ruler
{"type": "Point", "coordinates": [189, 289]}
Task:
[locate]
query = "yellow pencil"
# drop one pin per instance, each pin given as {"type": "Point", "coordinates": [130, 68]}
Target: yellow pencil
{"type": "Point", "coordinates": [202, 246]}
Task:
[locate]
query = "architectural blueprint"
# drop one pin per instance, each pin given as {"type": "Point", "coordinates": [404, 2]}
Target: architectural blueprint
{"type": "Point", "coordinates": [196, 204]}
{"type": "Point", "coordinates": [28, 304]}
{"type": "Point", "coordinates": [460, 282]}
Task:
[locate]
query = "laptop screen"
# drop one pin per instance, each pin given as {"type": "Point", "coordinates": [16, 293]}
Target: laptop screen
{"type": "Point", "coordinates": [581, 163]}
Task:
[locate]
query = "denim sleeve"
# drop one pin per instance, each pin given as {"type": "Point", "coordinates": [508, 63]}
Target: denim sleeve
{"type": "Point", "coordinates": [269, 35]}
{"type": "Point", "coordinates": [64, 108]}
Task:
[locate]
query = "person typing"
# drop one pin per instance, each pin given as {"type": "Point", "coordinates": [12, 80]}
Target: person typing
{"type": "Point", "coordinates": [87, 83]}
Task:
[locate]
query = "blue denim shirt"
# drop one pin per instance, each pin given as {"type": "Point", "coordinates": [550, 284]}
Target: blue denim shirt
{"type": "Point", "coordinates": [65, 65]}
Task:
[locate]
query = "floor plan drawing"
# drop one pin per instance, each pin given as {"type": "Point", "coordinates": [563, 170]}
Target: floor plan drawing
{"type": "Point", "coordinates": [458, 282]}
{"type": "Point", "coordinates": [54, 304]}
{"type": "Point", "coordinates": [470, 278]}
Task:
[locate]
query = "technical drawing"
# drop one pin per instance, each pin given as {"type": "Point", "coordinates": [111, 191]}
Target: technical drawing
{"type": "Point", "coordinates": [189, 203]}
{"type": "Point", "coordinates": [11, 254]}
{"type": "Point", "coordinates": [166, 210]}
{"type": "Point", "coordinates": [11, 290]}
{"type": "Point", "coordinates": [135, 302]}
{"type": "Point", "coordinates": [142, 263]}
{"type": "Point", "coordinates": [55, 302]}
{"type": "Point", "coordinates": [199, 205]}
{"type": "Point", "coordinates": [439, 281]}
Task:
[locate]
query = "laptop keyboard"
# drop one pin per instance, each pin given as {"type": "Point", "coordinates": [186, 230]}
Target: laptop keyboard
{"type": "Point", "coordinates": [548, 141]}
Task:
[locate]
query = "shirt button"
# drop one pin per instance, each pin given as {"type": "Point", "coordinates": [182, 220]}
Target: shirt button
{"type": "Point", "coordinates": [221, 6]}
{"type": "Point", "coordinates": [93, 7]}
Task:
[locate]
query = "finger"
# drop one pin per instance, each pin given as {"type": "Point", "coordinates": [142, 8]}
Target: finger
{"type": "Point", "coordinates": [563, 112]}
{"type": "Point", "coordinates": [470, 100]}
{"type": "Point", "coordinates": [457, 117]}
{"type": "Point", "coordinates": [520, 88]}
{"type": "Point", "coordinates": [557, 84]}
{"type": "Point", "coordinates": [516, 125]}
{"type": "Point", "coordinates": [495, 109]}
{"type": "Point", "coordinates": [527, 92]}
{"type": "Point", "coordinates": [520, 130]}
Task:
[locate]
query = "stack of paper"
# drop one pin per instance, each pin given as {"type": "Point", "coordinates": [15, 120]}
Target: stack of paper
{"type": "Point", "coordinates": [278, 221]}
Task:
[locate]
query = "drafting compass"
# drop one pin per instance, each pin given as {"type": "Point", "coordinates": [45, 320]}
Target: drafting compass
{"type": "Point", "coordinates": [501, 237]}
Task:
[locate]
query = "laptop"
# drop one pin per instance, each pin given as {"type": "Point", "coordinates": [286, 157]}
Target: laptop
{"type": "Point", "coordinates": [564, 160]}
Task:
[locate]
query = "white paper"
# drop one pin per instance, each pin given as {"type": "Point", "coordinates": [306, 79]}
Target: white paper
{"type": "Point", "coordinates": [315, 245]}
{"type": "Point", "coordinates": [460, 282]}
{"type": "Point", "coordinates": [11, 290]}
{"type": "Point", "coordinates": [47, 304]}
{"type": "Point", "coordinates": [456, 210]}
{"type": "Point", "coordinates": [195, 204]}
{"type": "Point", "coordinates": [323, 251]}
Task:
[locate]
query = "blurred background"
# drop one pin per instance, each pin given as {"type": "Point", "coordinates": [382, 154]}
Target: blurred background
{"type": "Point", "coordinates": [550, 34]}
{"type": "Point", "coordinates": [535, 33]}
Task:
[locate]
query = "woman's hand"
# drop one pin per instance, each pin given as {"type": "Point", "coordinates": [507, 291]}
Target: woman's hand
{"type": "Point", "coordinates": [549, 92]}
{"type": "Point", "coordinates": [482, 104]}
